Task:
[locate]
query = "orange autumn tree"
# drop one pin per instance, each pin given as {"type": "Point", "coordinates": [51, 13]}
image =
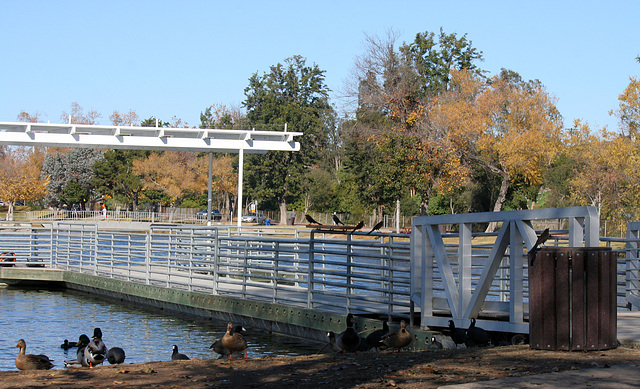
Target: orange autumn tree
{"type": "Point", "coordinates": [605, 174]}
{"type": "Point", "coordinates": [176, 173]}
{"type": "Point", "coordinates": [628, 112]}
{"type": "Point", "coordinates": [20, 170]}
{"type": "Point", "coordinates": [503, 124]}
{"type": "Point", "coordinates": [394, 92]}
{"type": "Point", "coordinates": [224, 178]}
{"type": "Point", "coordinates": [180, 173]}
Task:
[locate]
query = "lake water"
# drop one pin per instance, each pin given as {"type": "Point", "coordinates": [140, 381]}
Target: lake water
{"type": "Point", "coordinates": [44, 318]}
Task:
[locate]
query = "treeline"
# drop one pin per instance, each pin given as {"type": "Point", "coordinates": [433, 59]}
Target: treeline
{"type": "Point", "coordinates": [421, 127]}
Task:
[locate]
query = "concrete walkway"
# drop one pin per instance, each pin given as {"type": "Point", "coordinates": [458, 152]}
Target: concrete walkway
{"type": "Point", "coordinates": [618, 377]}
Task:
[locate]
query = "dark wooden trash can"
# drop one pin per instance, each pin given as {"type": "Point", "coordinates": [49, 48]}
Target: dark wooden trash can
{"type": "Point", "coordinates": [572, 299]}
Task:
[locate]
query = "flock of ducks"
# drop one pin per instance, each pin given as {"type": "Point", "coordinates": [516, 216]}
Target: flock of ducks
{"type": "Point", "coordinates": [90, 353]}
{"type": "Point", "coordinates": [350, 341]}
{"type": "Point", "coordinates": [471, 337]}
{"type": "Point", "coordinates": [93, 352]}
{"type": "Point", "coordinates": [231, 342]}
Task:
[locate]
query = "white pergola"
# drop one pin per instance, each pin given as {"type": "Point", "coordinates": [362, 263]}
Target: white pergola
{"type": "Point", "coordinates": [206, 140]}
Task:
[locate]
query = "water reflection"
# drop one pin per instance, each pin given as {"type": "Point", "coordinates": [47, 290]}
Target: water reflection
{"type": "Point", "coordinates": [44, 318]}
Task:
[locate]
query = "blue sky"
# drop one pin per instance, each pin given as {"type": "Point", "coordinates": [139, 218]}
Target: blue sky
{"type": "Point", "coordinates": [175, 58]}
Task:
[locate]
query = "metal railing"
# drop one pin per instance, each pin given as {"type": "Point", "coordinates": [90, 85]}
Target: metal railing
{"type": "Point", "coordinates": [337, 273]}
{"type": "Point", "coordinates": [190, 216]}
{"type": "Point", "coordinates": [628, 254]}
{"type": "Point", "coordinates": [129, 216]}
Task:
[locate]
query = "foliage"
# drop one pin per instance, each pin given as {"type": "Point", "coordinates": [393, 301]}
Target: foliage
{"type": "Point", "coordinates": [24, 116]}
{"type": "Point", "coordinates": [220, 116]}
{"type": "Point", "coordinates": [20, 175]}
{"type": "Point", "coordinates": [176, 173]}
{"type": "Point", "coordinates": [150, 198]}
{"type": "Point", "coordinates": [71, 176]}
{"type": "Point", "coordinates": [294, 94]}
{"type": "Point", "coordinates": [434, 59]}
{"type": "Point", "coordinates": [628, 112]}
{"type": "Point", "coordinates": [114, 176]}
{"type": "Point", "coordinates": [605, 175]}
{"type": "Point", "coordinates": [77, 115]}
{"type": "Point", "coordinates": [504, 124]}
{"type": "Point", "coordinates": [128, 119]}
{"type": "Point", "coordinates": [394, 98]}
{"type": "Point", "coordinates": [152, 121]}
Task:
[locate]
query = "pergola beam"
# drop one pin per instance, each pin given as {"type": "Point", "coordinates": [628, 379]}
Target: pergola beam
{"type": "Point", "coordinates": [146, 138]}
{"type": "Point", "coordinates": [152, 138]}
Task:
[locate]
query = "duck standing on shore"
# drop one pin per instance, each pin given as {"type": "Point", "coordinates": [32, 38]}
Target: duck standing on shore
{"type": "Point", "coordinates": [477, 336]}
{"type": "Point", "coordinates": [458, 335]}
{"type": "Point", "coordinates": [31, 361]}
{"type": "Point", "coordinates": [399, 339]}
{"type": "Point", "coordinates": [348, 340]}
{"type": "Point", "coordinates": [234, 341]}
{"type": "Point", "coordinates": [219, 348]}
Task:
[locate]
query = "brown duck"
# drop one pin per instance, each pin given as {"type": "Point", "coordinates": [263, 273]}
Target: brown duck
{"type": "Point", "coordinates": [234, 341]}
{"type": "Point", "coordinates": [398, 339]}
{"type": "Point", "coordinates": [31, 361]}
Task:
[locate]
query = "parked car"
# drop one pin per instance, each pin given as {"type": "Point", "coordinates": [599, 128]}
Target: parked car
{"type": "Point", "coordinates": [254, 217]}
{"type": "Point", "coordinates": [215, 214]}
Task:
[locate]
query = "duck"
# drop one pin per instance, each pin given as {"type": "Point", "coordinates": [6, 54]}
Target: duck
{"type": "Point", "coordinates": [96, 351]}
{"type": "Point", "coordinates": [66, 345]}
{"type": "Point", "coordinates": [115, 355]}
{"type": "Point", "coordinates": [435, 344]}
{"type": "Point", "coordinates": [234, 341]}
{"type": "Point", "coordinates": [399, 339]}
{"type": "Point", "coordinates": [348, 340]}
{"type": "Point", "coordinates": [219, 348]}
{"type": "Point", "coordinates": [176, 356]}
{"type": "Point", "coordinates": [477, 336]}
{"type": "Point", "coordinates": [80, 360]}
{"type": "Point", "coordinates": [374, 339]}
{"type": "Point", "coordinates": [458, 335]}
{"type": "Point", "coordinates": [31, 361]}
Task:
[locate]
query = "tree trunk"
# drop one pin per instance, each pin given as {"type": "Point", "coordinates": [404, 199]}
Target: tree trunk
{"type": "Point", "coordinates": [424, 203]}
{"type": "Point", "coordinates": [502, 196]}
{"type": "Point", "coordinates": [10, 211]}
{"type": "Point", "coordinates": [172, 211]}
{"type": "Point", "coordinates": [283, 212]}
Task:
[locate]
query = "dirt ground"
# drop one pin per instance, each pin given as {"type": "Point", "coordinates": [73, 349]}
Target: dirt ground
{"type": "Point", "coordinates": [424, 369]}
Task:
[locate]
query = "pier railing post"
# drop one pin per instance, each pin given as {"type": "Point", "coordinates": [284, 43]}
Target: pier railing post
{"type": "Point", "coordinates": [310, 267]}
{"type": "Point", "coordinates": [216, 259]}
{"type": "Point", "coordinates": [147, 258]}
{"type": "Point", "coordinates": [348, 285]}
{"type": "Point", "coordinates": [52, 256]}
